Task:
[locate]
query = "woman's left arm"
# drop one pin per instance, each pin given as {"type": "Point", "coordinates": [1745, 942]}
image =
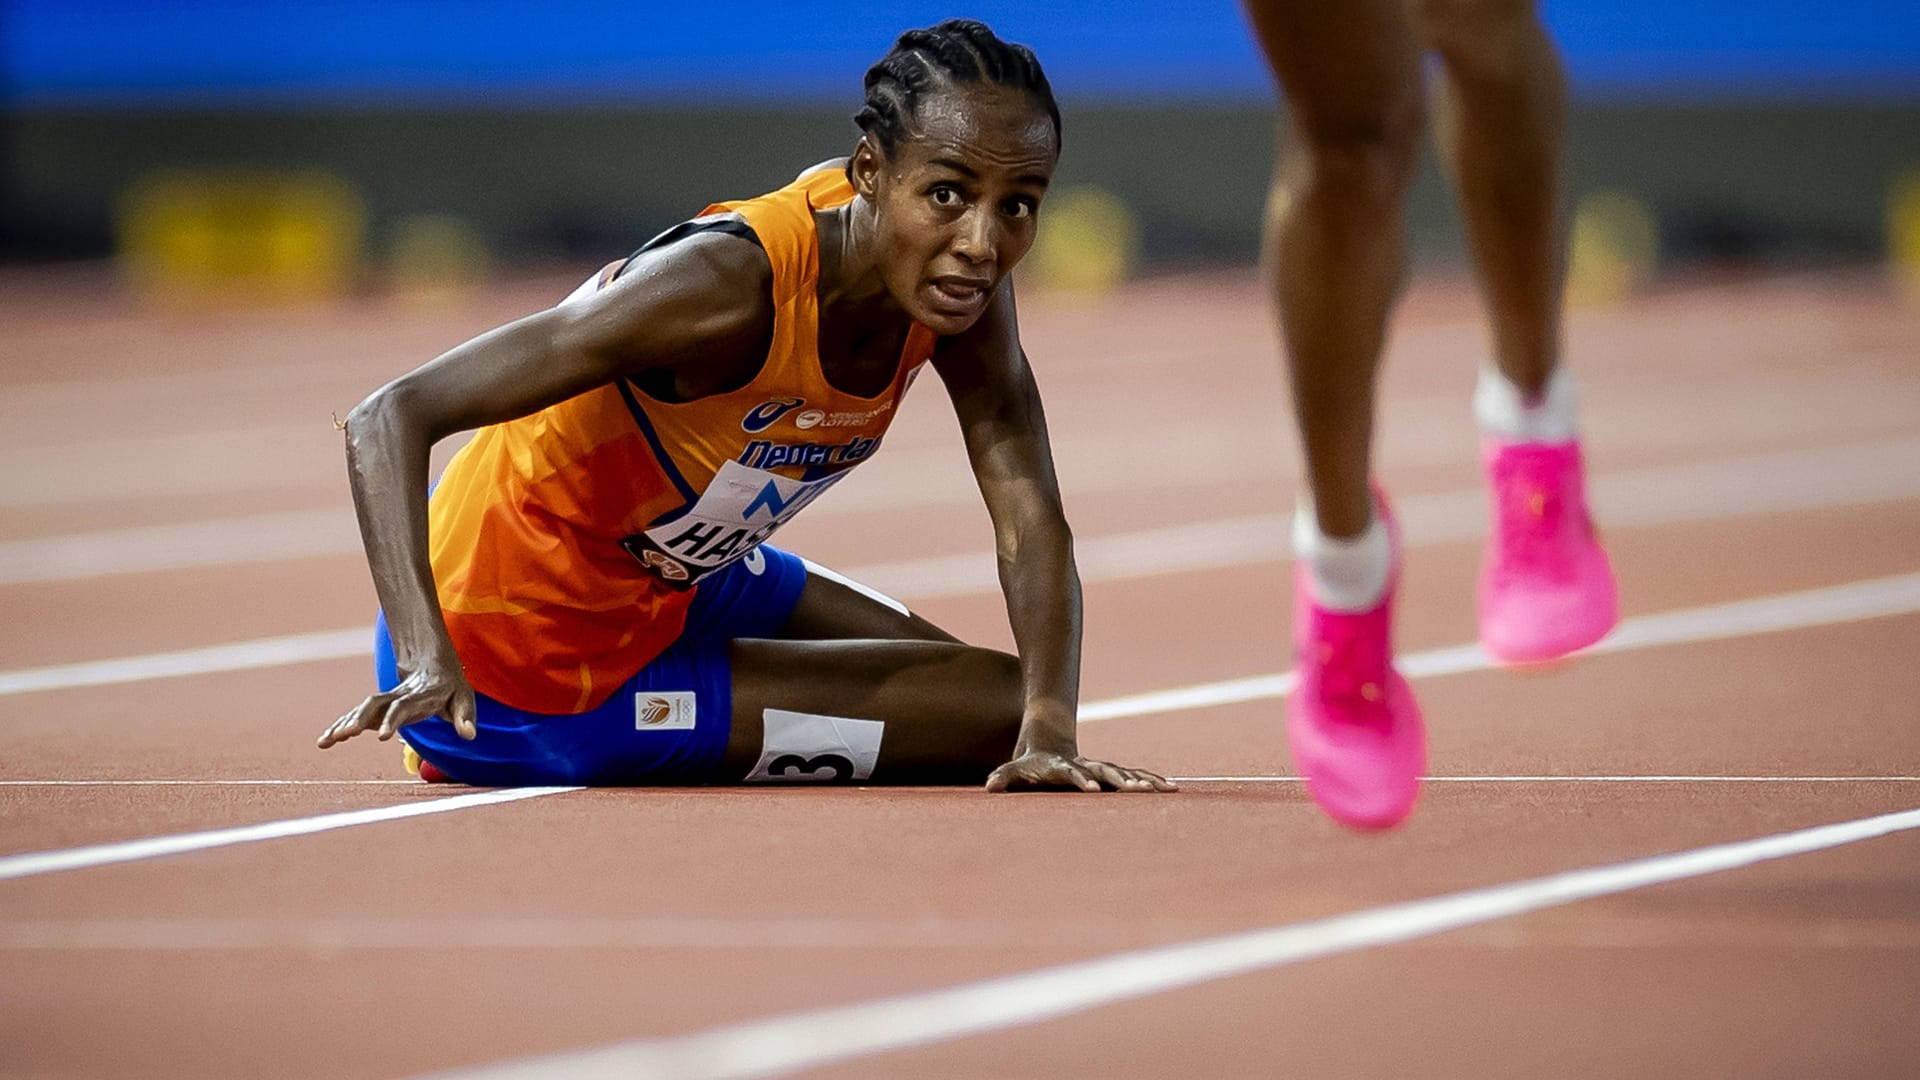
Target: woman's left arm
{"type": "Point", "coordinates": [994, 396]}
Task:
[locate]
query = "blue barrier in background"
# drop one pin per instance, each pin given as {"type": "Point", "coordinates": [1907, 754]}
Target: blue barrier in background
{"type": "Point", "coordinates": [230, 52]}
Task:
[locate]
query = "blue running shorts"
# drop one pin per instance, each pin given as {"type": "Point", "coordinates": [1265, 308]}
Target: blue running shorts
{"type": "Point", "coordinates": [667, 725]}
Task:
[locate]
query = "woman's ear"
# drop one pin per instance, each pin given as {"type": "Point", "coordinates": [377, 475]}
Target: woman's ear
{"type": "Point", "coordinates": [864, 169]}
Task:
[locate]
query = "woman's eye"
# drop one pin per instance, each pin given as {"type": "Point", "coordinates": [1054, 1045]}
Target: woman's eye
{"type": "Point", "coordinates": [1020, 208]}
{"type": "Point", "coordinates": [946, 196]}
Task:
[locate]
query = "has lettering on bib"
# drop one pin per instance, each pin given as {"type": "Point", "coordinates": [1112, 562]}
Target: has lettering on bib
{"type": "Point", "coordinates": [738, 511]}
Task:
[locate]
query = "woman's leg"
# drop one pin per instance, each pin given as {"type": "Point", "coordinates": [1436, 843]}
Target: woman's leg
{"type": "Point", "coordinates": [1500, 105]}
{"type": "Point", "coordinates": [932, 709]}
{"type": "Point", "coordinates": [1335, 243]}
{"type": "Point", "coordinates": [900, 711]}
{"type": "Point", "coordinates": [1336, 253]}
{"type": "Point", "coordinates": [1546, 584]}
{"type": "Point", "coordinates": [833, 607]}
{"type": "Point", "coordinates": [850, 661]}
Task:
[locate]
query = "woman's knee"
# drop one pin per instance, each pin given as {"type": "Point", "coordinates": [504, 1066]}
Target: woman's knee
{"type": "Point", "coordinates": [1477, 37]}
{"type": "Point", "coordinates": [1000, 674]}
{"type": "Point", "coordinates": [994, 725]}
{"type": "Point", "coordinates": [1367, 160]}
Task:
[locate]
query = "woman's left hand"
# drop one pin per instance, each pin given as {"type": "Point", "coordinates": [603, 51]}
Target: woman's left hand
{"type": "Point", "coordinates": [1046, 769]}
{"type": "Point", "coordinates": [434, 689]}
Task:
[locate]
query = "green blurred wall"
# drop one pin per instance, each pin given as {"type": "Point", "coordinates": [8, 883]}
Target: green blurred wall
{"type": "Point", "coordinates": [1724, 179]}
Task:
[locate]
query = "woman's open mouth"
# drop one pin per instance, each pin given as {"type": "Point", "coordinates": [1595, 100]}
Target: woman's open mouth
{"type": "Point", "coordinates": [956, 295]}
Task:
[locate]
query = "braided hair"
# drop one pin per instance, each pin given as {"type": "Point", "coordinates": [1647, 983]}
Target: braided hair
{"type": "Point", "coordinates": [929, 60]}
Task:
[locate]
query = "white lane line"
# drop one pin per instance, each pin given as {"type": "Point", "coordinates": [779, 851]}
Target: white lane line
{"type": "Point", "coordinates": [1558, 779]}
{"type": "Point", "coordinates": [1876, 598]}
{"type": "Point", "coordinates": [47, 862]}
{"type": "Point", "coordinates": [177, 464]}
{"type": "Point", "coordinates": [1669, 495]}
{"type": "Point", "coordinates": [780, 1045]}
{"type": "Point", "coordinates": [239, 656]}
{"type": "Point", "coordinates": [800, 935]}
{"type": "Point", "coordinates": [1582, 779]}
{"type": "Point", "coordinates": [192, 782]}
{"type": "Point", "coordinates": [661, 931]}
{"type": "Point", "coordinates": [1796, 480]}
{"type": "Point", "coordinates": [234, 541]}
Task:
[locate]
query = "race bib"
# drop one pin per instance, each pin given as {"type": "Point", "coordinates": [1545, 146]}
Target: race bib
{"type": "Point", "coordinates": [738, 511]}
{"type": "Point", "coordinates": [810, 748]}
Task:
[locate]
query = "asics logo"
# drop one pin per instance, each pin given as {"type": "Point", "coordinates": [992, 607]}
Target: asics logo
{"type": "Point", "coordinates": [764, 415]}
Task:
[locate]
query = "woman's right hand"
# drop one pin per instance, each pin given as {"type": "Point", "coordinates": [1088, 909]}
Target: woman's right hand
{"type": "Point", "coordinates": [434, 689]}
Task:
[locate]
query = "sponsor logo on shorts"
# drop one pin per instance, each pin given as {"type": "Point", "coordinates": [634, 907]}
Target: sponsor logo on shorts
{"type": "Point", "coordinates": [809, 419]}
{"type": "Point", "coordinates": [755, 561]}
{"type": "Point", "coordinates": [672, 710]}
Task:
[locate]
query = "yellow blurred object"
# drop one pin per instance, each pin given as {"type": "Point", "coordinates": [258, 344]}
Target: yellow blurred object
{"type": "Point", "coordinates": [219, 237]}
{"type": "Point", "coordinates": [1614, 248]}
{"type": "Point", "coordinates": [1903, 234]}
{"type": "Point", "coordinates": [436, 260]}
{"type": "Point", "coordinates": [1088, 242]}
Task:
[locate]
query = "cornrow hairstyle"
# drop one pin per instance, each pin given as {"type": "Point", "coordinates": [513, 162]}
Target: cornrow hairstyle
{"type": "Point", "coordinates": [926, 61]}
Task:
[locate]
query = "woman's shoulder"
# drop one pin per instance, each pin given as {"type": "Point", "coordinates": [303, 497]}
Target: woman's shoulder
{"type": "Point", "coordinates": [831, 165]}
{"type": "Point", "coordinates": [782, 222]}
{"type": "Point", "coordinates": [818, 187]}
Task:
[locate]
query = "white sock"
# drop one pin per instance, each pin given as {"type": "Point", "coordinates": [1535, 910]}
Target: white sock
{"type": "Point", "coordinates": [1505, 413]}
{"type": "Point", "coordinates": [1349, 575]}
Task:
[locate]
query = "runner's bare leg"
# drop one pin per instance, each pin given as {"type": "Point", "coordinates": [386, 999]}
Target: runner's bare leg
{"type": "Point", "coordinates": [1500, 102]}
{"type": "Point", "coordinates": [1335, 243]}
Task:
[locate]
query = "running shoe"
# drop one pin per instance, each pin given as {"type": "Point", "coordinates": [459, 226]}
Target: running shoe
{"type": "Point", "coordinates": [421, 767]}
{"type": "Point", "coordinates": [1546, 586]}
{"type": "Point", "coordinates": [1352, 722]}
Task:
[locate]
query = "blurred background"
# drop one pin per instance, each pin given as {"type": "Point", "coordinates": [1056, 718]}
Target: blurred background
{"type": "Point", "coordinates": [247, 152]}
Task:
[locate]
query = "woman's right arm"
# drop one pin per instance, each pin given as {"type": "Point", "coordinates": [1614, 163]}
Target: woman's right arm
{"type": "Point", "coordinates": [705, 296]}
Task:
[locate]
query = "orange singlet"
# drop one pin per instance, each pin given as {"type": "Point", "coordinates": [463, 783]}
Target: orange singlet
{"type": "Point", "coordinates": [566, 544]}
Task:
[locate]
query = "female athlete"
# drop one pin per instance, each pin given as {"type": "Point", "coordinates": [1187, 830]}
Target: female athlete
{"type": "Point", "coordinates": [587, 596]}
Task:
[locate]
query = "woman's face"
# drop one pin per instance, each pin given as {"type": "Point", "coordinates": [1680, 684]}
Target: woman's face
{"type": "Point", "coordinates": [958, 199]}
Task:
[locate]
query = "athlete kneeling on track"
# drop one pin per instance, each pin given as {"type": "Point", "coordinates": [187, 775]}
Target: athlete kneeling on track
{"type": "Point", "coordinates": [586, 596]}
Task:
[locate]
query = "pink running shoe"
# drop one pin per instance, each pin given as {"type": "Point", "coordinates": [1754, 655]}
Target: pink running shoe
{"type": "Point", "coordinates": [1546, 587]}
{"type": "Point", "coordinates": [1352, 722]}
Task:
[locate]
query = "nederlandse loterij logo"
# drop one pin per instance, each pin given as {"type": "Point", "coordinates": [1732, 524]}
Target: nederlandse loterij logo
{"type": "Point", "coordinates": [855, 419]}
{"type": "Point", "coordinates": [810, 418]}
